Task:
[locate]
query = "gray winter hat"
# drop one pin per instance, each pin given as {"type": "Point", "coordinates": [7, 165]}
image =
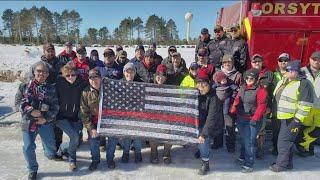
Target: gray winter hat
{"type": "Point", "coordinates": [129, 66]}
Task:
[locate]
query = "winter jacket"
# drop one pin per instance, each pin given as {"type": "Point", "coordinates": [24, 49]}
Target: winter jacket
{"type": "Point", "coordinates": [145, 73]}
{"type": "Point", "coordinates": [201, 44]}
{"type": "Point", "coordinates": [250, 102]}
{"type": "Point", "coordinates": [238, 48]}
{"type": "Point", "coordinates": [112, 71]}
{"type": "Point", "coordinates": [211, 121]}
{"type": "Point", "coordinates": [226, 93]}
{"type": "Point", "coordinates": [188, 81]}
{"type": "Point", "coordinates": [55, 66]}
{"type": "Point", "coordinates": [89, 107]}
{"type": "Point", "coordinates": [216, 50]}
{"type": "Point", "coordinates": [83, 68]}
{"type": "Point", "coordinates": [234, 76]}
{"type": "Point", "coordinates": [265, 79]}
{"type": "Point", "coordinates": [72, 55]}
{"type": "Point", "coordinates": [69, 98]}
{"type": "Point", "coordinates": [35, 96]}
{"type": "Point", "coordinates": [135, 61]}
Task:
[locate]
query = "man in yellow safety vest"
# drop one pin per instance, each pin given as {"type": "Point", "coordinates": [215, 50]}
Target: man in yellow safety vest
{"type": "Point", "coordinates": [294, 98]}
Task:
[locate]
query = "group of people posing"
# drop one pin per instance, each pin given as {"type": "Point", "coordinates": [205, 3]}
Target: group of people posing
{"type": "Point", "coordinates": [63, 92]}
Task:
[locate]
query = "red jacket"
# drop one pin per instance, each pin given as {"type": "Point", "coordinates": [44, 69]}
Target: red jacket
{"type": "Point", "coordinates": [261, 101]}
{"type": "Point", "coordinates": [72, 56]}
{"type": "Point", "coordinates": [82, 68]}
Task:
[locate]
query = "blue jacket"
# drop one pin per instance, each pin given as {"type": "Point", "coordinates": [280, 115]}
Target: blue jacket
{"type": "Point", "coordinates": [113, 71]}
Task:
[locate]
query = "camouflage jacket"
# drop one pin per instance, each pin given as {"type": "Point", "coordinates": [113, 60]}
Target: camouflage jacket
{"type": "Point", "coordinates": [89, 107]}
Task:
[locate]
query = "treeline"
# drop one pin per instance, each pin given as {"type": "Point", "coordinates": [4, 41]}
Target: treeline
{"type": "Point", "coordinates": [35, 26]}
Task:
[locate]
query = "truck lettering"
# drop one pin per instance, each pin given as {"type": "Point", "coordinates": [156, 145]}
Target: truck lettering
{"type": "Point", "coordinates": [292, 8]}
{"type": "Point", "coordinates": [304, 7]}
{"type": "Point", "coordinates": [267, 8]}
{"type": "Point", "coordinates": [316, 7]}
{"type": "Point", "coordinates": [279, 7]}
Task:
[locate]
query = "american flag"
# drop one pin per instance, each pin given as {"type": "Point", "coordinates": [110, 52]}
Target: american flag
{"type": "Point", "coordinates": [148, 110]}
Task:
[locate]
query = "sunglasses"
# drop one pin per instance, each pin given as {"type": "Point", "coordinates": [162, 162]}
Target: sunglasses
{"type": "Point", "coordinates": [94, 77]}
{"type": "Point", "coordinates": [70, 75]}
{"type": "Point", "coordinates": [254, 62]}
{"type": "Point", "coordinates": [249, 78]}
{"type": "Point", "coordinates": [172, 50]}
{"type": "Point", "coordinates": [290, 70]}
{"type": "Point", "coordinates": [216, 31]}
{"type": "Point", "coordinates": [39, 71]}
{"type": "Point", "coordinates": [283, 60]}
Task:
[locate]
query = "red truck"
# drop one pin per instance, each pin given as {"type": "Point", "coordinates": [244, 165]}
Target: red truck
{"type": "Point", "coordinates": [272, 27]}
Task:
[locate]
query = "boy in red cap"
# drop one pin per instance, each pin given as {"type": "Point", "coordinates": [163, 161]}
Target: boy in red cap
{"type": "Point", "coordinates": [210, 118]}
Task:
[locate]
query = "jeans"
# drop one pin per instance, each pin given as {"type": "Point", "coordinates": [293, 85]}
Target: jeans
{"type": "Point", "coordinates": [136, 144]}
{"type": "Point", "coordinates": [248, 133]}
{"type": "Point", "coordinates": [72, 130]}
{"type": "Point", "coordinates": [204, 149]}
{"type": "Point", "coordinates": [29, 146]}
{"type": "Point", "coordinates": [94, 148]}
{"type": "Point", "coordinates": [111, 148]}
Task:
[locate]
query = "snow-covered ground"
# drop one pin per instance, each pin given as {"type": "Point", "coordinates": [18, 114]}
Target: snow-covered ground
{"type": "Point", "coordinates": [17, 58]}
{"type": "Point", "coordinates": [184, 166]}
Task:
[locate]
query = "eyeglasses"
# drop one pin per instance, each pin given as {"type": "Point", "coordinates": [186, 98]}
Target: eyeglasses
{"type": "Point", "coordinates": [39, 71]}
{"type": "Point", "coordinates": [217, 31]}
{"type": "Point", "coordinates": [201, 55]}
{"type": "Point", "coordinates": [315, 59]}
{"type": "Point", "coordinates": [70, 75]}
{"type": "Point", "coordinates": [172, 50]}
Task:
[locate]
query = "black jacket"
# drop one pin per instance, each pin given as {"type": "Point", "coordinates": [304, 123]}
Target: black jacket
{"type": "Point", "coordinates": [143, 74]}
{"type": "Point", "coordinates": [69, 98]}
{"type": "Point", "coordinates": [211, 121]}
{"type": "Point", "coordinates": [238, 48]}
{"type": "Point", "coordinates": [216, 50]}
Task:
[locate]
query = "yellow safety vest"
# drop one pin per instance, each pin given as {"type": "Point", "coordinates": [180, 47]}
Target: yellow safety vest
{"type": "Point", "coordinates": [289, 105]}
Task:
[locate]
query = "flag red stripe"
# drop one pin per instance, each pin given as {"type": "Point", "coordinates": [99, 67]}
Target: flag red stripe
{"type": "Point", "coordinates": [151, 116]}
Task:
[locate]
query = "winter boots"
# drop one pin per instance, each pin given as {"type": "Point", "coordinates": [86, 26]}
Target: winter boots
{"type": "Point", "coordinates": [204, 168]}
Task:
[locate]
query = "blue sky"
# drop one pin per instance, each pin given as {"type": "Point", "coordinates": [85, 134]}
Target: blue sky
{"type": "Point", "coordinates": [109, 13]}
